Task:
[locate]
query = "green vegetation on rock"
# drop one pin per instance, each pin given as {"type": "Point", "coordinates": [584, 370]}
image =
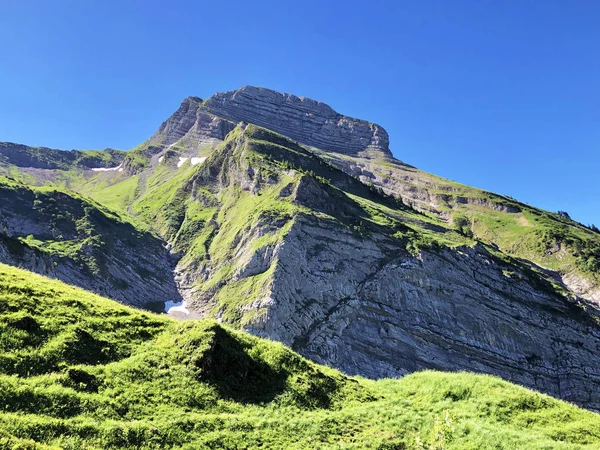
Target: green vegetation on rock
{"type": "Point", "coordinates": [56, 231]}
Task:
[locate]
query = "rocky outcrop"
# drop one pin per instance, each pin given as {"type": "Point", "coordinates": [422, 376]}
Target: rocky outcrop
{"type": "Point", "coordinates": [367, 307]}
{"type": "Point", "coordinates": [131, 278]}
{"type": "Point", "coordinates": [582, 286]}
{"type": "Point", "coordinates": [200, 123]}
{"type": "Point", "coordinates": [302, 119]}
{"type": "Point", "coordinates": [192, 126]}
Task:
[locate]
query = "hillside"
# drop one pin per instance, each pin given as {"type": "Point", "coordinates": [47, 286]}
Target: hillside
{"type": "Point", "coordinates": [570, 250]}
{"type": "Point", "coordinates": [293, 222]}
{"type": "Point", "coordinates": [40, 165]}
{"type": "Point", "coordinates": [58, 233]}
{"type": "Point", "coordinates": [81, 371]}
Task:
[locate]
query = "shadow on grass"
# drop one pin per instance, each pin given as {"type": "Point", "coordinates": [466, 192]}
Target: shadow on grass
{"type": "Point", "coordinates": [236, 375]}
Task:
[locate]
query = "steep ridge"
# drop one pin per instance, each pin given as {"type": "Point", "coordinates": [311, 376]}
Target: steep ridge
{"type": "Point", "coordinates": [569, 249]}
{"type": "Point", "coordinates": [56, 233]}
{"type": "Point", "coordinates": [47, 158]}
{"type": "Point", "coordinates": [81, 371]}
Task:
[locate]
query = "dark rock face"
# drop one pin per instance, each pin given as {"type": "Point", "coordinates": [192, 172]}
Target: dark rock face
{"type": "Point", "coordinates": [48, 158]}
{"type": "Point", "coordinates": [307, 121]}
{"type": "Point", "coordinates": [67, 238]}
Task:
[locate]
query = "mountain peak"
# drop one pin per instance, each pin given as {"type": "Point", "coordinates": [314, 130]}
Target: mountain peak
{"type": "Point", "coordinates": [308, 121]}
{"type": "Point", "coordinates": [192, 100]}
{"type": "Point", "coordinates": [302, 119]}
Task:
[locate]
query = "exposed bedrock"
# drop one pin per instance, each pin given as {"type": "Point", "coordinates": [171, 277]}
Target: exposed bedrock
{"type": "Point", "coordinates": [307, 121]}
{"type": "Point", "coordinates": [369, 308]}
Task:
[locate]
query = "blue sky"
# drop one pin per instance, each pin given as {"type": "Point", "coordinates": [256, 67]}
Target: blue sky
{"type": "Point", "coordinates": [502, 95]}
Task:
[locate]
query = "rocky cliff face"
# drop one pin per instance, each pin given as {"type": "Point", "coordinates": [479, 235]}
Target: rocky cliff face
{"type": "Point", "coordinates": [368, 307]}
{"type": "Point", "coordinates": [307, 121]}
{"type": "Point", "coordinates": [359, 301]}
{"type": "Point", "coordinates": [193, 126]}
{"type": "Point", "coordinates": [68, 238]}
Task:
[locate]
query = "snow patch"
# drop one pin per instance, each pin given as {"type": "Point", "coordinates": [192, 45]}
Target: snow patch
{"type": "Point", "coordinates": [172, 307]}
{"type": "Point", "coordinates": [196, 161]}
{"type": "Point", "coordinates": [161, 159]}
{"type": "Point", "coordinates": [181, 161]}
{"type": "Point", "coordinates": [109, 169]}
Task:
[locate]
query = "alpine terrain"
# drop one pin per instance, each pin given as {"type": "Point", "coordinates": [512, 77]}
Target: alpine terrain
{"type": "Point", "coordinates": [275, 215]}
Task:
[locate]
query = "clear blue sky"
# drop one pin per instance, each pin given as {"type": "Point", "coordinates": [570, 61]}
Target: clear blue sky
{"type": "Point", "coordinates": [502, 95]}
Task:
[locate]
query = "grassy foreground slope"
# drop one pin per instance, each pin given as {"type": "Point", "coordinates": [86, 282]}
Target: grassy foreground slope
{"type": "Point", "coordinates": [81, 371]}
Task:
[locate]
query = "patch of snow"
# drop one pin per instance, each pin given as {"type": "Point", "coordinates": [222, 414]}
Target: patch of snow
{"type": "Point", "coordinates": [171, 307]}
{"type": "Point", "coordinates": [196, 161]}
{"type": "Point", "coordinates": [108, 169]}
{"type": "Point", "coordinates": [181, 161]}
{"type": "Point", "coordinates": [161, 159]}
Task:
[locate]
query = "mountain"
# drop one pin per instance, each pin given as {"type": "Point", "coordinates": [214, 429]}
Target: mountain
{"type": "Point", "coordinates": [307, 121]}
{"type": "Point", "coordinates": [296, 223]}
{"type": "Point", "coordinates": [81, 371]}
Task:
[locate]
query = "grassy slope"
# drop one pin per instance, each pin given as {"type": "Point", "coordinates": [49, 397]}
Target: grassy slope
{"type": "Point", "coordinates": [516, 229]}
{"type": "Point", "coordinates": [543, 237]}
{"type": "Point", "coordinates": [116, 194]}
{"type": "Point", "coordinates": [44, 166]}
{"type": "Point", "coordinates": [80, 371]}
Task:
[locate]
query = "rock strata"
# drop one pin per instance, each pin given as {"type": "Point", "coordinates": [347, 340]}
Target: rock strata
{"type": "Point", "coordinates": [307, 121]}
{"type": "Point", "coordinates": [198, 123]}
{"type": "Point", "coordinates": [192, 127]}
{"type": "Point", "coordinates": [370, 309]}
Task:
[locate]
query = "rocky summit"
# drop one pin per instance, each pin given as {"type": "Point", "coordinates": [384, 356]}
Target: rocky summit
{"type": "Point", "coordinates": [307, 121]}
{"type": "Point", "coordinates": [281, 217]}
